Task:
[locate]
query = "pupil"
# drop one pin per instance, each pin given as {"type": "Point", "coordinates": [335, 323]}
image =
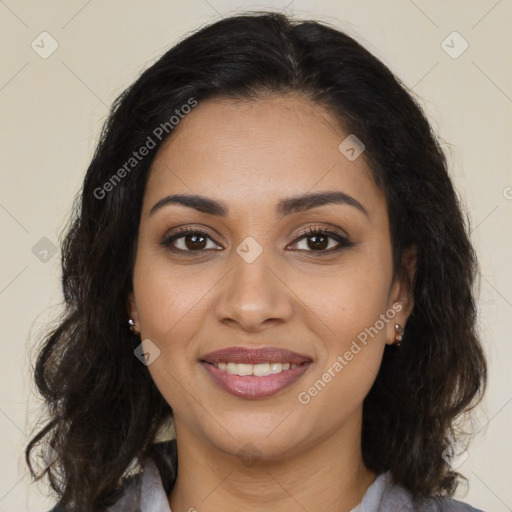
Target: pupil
{"type": "Point", "coordinates": [194, 244]}
{"type": "Point", "coordinates": [319, 245]}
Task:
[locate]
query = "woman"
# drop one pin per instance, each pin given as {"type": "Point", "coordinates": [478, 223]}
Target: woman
{"type": "Point", "coordinates": [267, 252]}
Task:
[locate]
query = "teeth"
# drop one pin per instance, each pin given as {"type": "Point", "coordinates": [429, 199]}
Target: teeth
{"type": "Point", "coordinates": [258, 370]}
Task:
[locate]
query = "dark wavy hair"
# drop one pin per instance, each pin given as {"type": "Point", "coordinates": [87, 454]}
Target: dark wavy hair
{"type": "Point", "coordinates": [104, 408]}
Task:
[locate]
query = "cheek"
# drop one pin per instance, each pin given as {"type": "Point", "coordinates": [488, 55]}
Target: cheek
{"type": "Point", "coordinates": [349, 299]}
{"type": "Point", "coordinates": [169, 299]}
{"type": "Point", "coordinates": [170, 306]}
{"type": "Point", "coordinates": [350, 303]}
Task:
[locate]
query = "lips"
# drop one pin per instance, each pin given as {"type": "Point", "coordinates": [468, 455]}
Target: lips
{"type": "Point", "coordinates": [252, 387]}
{"type": "Point", "coordinates": [255, 356]}
{"type": "Point", "coordinates": [287, 368]}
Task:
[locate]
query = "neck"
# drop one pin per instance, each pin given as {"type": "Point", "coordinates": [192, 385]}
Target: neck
{"type": "Point", "coordinates": [328, 474]}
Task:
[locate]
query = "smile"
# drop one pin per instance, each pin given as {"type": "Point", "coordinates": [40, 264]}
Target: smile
{"type": "Point", "coordinates": [252, 381]}
{"type": "Point", "coordinates": [258, 370]}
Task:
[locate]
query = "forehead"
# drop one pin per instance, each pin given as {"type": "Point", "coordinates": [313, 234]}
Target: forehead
{"type": "Point", "coordinates": [251, 153]}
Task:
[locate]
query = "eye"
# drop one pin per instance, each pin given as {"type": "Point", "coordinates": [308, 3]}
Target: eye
{"type": "Point", "coordinates": [187, 239]}
{"type": "Point", "coordinates": [319, 240]}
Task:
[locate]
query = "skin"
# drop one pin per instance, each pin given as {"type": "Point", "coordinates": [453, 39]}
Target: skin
{"type": "Point", "coordinates": [250, 155]}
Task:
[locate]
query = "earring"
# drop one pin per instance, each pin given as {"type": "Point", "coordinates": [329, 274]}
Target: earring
{"type": "Point", "coordinates": [133, 327]}
{"type": "Point", "coordinates": [399, 334]}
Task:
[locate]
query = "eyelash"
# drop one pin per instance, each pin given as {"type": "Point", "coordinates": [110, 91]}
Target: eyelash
{"type": "Point", "coordinates": [342, 240]}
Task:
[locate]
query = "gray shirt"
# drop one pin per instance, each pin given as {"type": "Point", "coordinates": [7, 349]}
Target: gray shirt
{"type": "Point", "coordinates": [146, 494]}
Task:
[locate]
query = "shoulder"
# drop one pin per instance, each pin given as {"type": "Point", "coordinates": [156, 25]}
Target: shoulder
{"type": "Point", "coordinates": [446, 505]}
{"type": "Point", "coordinates": [162, 461]}
{"type": "Point", "coordinates": [127, 497]}
{"type": "Point", "coordinates": [396, 498]}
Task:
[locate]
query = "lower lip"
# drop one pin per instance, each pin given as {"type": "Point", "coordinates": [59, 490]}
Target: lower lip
{"type": "Point", "coordinates": [255, 387]}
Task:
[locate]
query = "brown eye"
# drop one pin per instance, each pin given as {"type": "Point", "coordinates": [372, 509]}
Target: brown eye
{"type": "Point", "coordinates": [194, 241]}
{"type": "Point", "coordinates": [320, 240]}
{"type": "Point", "coordinates": [187, 240]}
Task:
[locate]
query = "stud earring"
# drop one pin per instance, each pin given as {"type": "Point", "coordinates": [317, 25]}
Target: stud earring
{"type": "Point", "coordinates": [133, 327]}
{"type": "Point", "coordinates": [399, 334]}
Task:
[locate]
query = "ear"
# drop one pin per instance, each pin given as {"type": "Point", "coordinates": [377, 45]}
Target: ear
{"type": "Point", "coordinates": [401, 298]}
{"type": "Point", "coordinates": [131, 306]}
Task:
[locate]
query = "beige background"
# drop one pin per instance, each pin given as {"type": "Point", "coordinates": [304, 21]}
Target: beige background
{"type": "Point", "coordinates": [52, 110]}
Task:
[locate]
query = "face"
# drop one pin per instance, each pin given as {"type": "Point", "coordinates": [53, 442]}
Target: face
{"type": "Point", "coordinates": [313, 278]}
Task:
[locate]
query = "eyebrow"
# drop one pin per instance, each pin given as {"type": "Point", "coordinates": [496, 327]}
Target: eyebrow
{"type": "Point", "coordinates": [285, 207]}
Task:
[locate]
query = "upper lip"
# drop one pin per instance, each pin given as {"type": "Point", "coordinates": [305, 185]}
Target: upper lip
{"type": "Point", "coordinates": [254, 356]}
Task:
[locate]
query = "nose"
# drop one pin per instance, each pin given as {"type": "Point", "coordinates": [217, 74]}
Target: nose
{"type": "Point", "coordinates": [254, 295]}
